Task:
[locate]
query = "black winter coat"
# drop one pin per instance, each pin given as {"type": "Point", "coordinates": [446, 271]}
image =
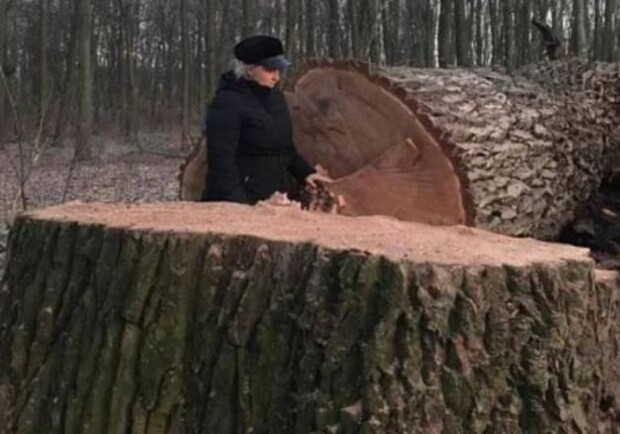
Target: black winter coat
{"type": "Point", "coordinates": [250, 144]}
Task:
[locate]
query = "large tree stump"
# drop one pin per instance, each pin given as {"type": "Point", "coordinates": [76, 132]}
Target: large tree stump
{"type": "Point", "coordinates": [514, 154]}
{"type": "Point", "coordinates": [223, 318]}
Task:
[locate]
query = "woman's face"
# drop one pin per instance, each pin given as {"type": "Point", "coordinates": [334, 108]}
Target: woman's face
{"type": "Point", "coordinates": [268, 77]}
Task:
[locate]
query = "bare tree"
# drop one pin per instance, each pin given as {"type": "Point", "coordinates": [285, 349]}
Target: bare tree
{"type": "Point", "coordinates": [333, 28]}
{"type": "Point", "coordinates": [446, 32]}
{"type": "Point", "coordinates": [508, 34]}
{"type": "Point", "coordinates": [609, 42]}
{"type": "Point", "coordinates": [82, 148]}
{"type": "Point", "coordinates": [3, 38]}
{"type": "Point", "coordinates": [308, 31]}
{"type": "Point", "coordinates": [186, 69]}
{"type": "Point", "coordinates": [292, 18]}
{"type": "Point", "coordinates": [462, 37]}
{"type": "Point", "coordinates": [523, 17]}
{"type": "Point", "coordinates": [597, 49]}
{"type": "Point", "coordinates": [248, 17]}
{"type": "Point", "coordinates": [42, 52]}
{"type": "Point", "coordinates": [578, 46]}
{"type": "Point", "coordinates": [211, 46]}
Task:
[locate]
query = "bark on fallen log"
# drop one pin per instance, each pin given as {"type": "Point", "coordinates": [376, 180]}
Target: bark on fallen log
{"type": "Point", "coordinates": [222, 318]}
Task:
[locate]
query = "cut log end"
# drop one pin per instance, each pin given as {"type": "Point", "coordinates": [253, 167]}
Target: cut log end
{"type": "Point", "coordinates": [376, 234]}
{"type": "Point", "coordinates": [385, 155]}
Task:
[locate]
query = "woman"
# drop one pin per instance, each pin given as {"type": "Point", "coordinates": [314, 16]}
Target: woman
{"type": "Point", "coordinates": [249, 132]}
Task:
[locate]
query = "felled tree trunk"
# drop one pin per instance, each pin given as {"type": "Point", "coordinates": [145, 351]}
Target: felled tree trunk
{"type": "Point", "coordinates": [514, 154]}
{"type": "Point", "coordinates": [175, 318]}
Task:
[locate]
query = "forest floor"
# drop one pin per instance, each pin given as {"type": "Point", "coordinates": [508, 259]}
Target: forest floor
{"type": "Point", "coordinates": [144, 171]}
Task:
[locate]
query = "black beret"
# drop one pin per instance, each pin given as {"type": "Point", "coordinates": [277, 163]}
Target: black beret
{"type": "Point", "coordinates": [261, 50]}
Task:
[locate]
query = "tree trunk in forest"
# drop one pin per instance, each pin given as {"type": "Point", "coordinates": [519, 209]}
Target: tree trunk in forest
{"type": "Point", "coordinates": [224, 318]}
{"type": "Point", "coordinates": [479, 32]}
{"type": "Point", "coordinates": [355, 24]}
{"type": "Point", "coordinates": [310, 29]}
{"type": "Point", "coordinates": [369, 22]}
{"type": "Point", "coordinates": [445, 38]}
{"type": "Point", "coordinates": [541, 13]}
{"type": "Point", "coordinates": [85, 88]}
{"type": "Point", "coordinates": [415, 31]}
{"type": "Point", "coordinates": [496, 41]}
{"type": "Point", "coordinates": [211, 69]}
{"type": "Point", "coordinates": [578, 32]}
{"type": "Point", "coordinates": [67, 90]}
{"type": "Point", "coordinates": [462, 33]}
{"type": "Point", "coordinates": [187, 68]}
{"type": "Point", "coordinates": [3, 38]}
{"type": "Point", "coordinates": [609, 43]}
{"type": "Point", "coordinates": [247, 18]}
{"type": "Point", "coordinates": [42, 52]}
{"type": "Point", "coordinates": [333, 41]}
{"type": "Point", "coordinates": [292, 18]}
{"type": "Point", "coordinates": [523, 33]}
{"type": "Point", "coordinates": [597, 50]}
{"type": "Point", "coordinates": [129, 11]}
{"type": "Point", "coordinates": [390, 24]}
{"type": "Point", "coordinates": [508, 34]}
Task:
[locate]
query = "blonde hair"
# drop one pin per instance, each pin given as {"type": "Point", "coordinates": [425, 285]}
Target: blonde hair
{"type": "Point", "coordinates": [240, 69]}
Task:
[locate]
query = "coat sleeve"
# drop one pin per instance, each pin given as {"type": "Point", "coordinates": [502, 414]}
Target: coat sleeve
{"type": "Point", "coordinates": [223, 125]}
{"type": "Point", "coordinates": [298, 167]}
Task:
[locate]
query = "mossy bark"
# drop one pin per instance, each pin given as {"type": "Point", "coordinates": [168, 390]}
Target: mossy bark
{"type": "Point", "coordinates": [111, 330]}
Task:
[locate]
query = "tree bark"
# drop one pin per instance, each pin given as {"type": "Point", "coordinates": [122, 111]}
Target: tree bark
{"type": "Point", "coordinates": [416, 30]}
{"type": "Point", "coordinates": [597, 50]}
{"type": "Point", "coordinates": [187, 68]}
{"type": "Point", "coordinates": [496, 39]}
{"type": "Point", "coordinates": [3, 39]}
{"type": "Point", "coordinates": [163, 319]}
{"type": "Point", "coordinates": [610, 25]}
{"type": "Point", "coordinates": [508, 34]}
{"type": "Point", "coordinates": [310, 30]}
{"type": "Point", "coordinates": [67, 90]}
{"type": "Point", "coordinates": [354, 21]}
{"type": "Point", "coordinates": [446, 33]}
{"type": "Point", "coordinates": [42, 51]}
{"type": "Point", "coordinates": [578, 31]}
{"type": "Point", "coordinates": [480, 32]}
{"type": "Point", "coordinates": [333, 29]}
{"type": "Point", "coordinates": [462, 33]}
{"type": "Point", "coordinates": [247, 18]}
{"type": "Point", "coordinates": [82, 148]}
{"type": "Point", "coordinates": [292, 19]}
{"type": "Point", "coordinates": [211, 44]}
{"type": "Point", "coordinates": [523, 32]}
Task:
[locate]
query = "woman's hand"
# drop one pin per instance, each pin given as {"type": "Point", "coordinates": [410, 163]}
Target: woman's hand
{"type": "Point", "coordinates": [319, 178]}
